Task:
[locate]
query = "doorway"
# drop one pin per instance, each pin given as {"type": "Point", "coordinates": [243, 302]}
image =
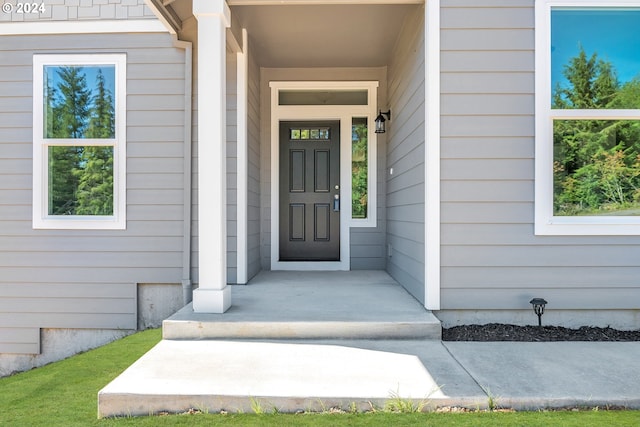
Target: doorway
{"type": "Point", "coordinates": [312, 155]}
{"type": "Point", "coordinates": [309, 191]}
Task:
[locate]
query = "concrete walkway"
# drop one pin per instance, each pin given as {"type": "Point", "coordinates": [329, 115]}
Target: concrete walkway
{"type": "Point", "coordinates": [295, 376]}
{"type": "Point", "coordinates": [270, 351]}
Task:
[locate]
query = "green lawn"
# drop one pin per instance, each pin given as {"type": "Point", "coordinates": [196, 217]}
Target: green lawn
{"type": "Point", "coordinates": [65, 394]}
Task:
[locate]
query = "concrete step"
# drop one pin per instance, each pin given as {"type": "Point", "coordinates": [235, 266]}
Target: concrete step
{"type": "Point", "coordinates": [195, 326]}
{"type": "Point", "coordinates": [312, 305]}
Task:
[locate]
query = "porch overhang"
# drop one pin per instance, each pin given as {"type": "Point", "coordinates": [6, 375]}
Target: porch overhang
{"type": "Point", "coordinates": [283, 36]}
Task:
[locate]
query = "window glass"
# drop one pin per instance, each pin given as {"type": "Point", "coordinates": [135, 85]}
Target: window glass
{"type": "Point", "coordinates": [79, 101]}
{"type": "Point", "coordinates": [595, 65]}
{"type": "Point", "coordinates": [595, 58]}
{"type": "Point", "coordinates": [80, 180]}
{"type": "Point", "coordinates": [309, 134]}
{"type": "Point", "coordinates": [359, 167]}
{"type": "Point", "coordinates": [323, 97]}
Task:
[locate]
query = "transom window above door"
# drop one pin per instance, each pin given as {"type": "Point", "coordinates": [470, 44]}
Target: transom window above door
{"type": "Point", "coordinates": [323, 97]}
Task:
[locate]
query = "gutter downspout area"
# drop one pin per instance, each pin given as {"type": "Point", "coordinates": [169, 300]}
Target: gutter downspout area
{"type": "Point", "coordinates": [171, 22]}
{"type": "Point", "coordinates": [187, 289]}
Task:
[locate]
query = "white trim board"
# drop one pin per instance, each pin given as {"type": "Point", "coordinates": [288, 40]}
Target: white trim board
{"type": "Point", "coordinates": [345, 114]}
{"type": "Point", "coordinates": [432, 156]}
{"type": "Point", "coordinates": [83, 27]}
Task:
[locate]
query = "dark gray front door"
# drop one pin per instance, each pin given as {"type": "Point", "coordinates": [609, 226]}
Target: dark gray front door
{"type": "Point", "coordinates": [309, 187]}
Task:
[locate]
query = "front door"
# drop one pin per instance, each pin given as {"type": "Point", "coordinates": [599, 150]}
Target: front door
{"type": "Point", "coordinates": [310, 191]}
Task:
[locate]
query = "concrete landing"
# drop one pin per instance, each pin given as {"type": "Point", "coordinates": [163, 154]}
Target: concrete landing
{"type": "Point", "coordinates": [301, 305]}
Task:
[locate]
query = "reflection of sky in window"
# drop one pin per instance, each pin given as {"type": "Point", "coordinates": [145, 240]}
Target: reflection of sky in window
{"type": "Point", "coordinates": [90, 71]}
{"type": "Point", "coordinates": [614, 34]}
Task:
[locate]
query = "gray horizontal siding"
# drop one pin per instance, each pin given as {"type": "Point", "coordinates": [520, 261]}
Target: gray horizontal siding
{"type": "Point", "coordinates": [477, 278]}
{"type": "Point", "coordinates": [253, 181]}
{"type": "Point", "coordinates": [493, 83]}
{"type": "Point", "coordinates": [232, 168]}
{"type": "Point", "coordinates": [601, 298]}
{"type": "Point", "coordinates": [17, 276]}
{"type": "Point", "coordinates": [87, 278]}
{"type": "Point", "coordinates": [20, 340]}
{"type": "Point", "coordinates": [405, 154]}
{"type": "Point", "coordinates": [69, 305]}
{"type": "Point", "coordinates": [491, 258]}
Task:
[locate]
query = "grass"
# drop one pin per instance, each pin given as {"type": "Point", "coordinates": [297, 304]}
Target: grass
{"type": "Point", "coordinates": [65, 394]}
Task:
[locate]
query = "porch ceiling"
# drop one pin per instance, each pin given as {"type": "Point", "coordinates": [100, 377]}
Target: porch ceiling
{"type": "Point", "coordinates": [323, 35]}
{"type": "Point", "coordinates": [318, 35]}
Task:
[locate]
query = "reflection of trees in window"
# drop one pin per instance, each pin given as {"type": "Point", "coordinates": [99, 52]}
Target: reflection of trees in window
{"type": "Point", "coordinates": [359, 169]}
{"type": "Point", "coordinates": [102, 122]}
{"type": "Point", "coordinates": [80, 180]}
{"type": "Point", "coordinates": [80, 177]}
{"type": "Point", "coordinates": [596, 162]}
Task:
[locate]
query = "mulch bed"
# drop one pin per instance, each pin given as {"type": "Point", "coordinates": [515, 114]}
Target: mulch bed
{"type": "Point", "coordinates": [502, 332]}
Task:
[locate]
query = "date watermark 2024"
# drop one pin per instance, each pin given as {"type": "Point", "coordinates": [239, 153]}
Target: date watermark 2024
{"type": "Point", "coordinates": [24, 8]}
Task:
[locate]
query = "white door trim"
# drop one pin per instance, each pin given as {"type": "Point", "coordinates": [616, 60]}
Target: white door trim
{"type": "Point", "coordinates": [343, 113]}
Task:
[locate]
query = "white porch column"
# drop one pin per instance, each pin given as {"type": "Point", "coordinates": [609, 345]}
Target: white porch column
{"type": "Point", "coordinates": [213, 295]}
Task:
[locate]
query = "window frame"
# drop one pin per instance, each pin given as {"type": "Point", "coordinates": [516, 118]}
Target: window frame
{"type": "Point", "coordinates": [546, 223]}
{"type": "Point", "coordinates": [41, 218]}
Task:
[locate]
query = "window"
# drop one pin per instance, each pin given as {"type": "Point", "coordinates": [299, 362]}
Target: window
{"type": "Point", "coordinates": [323, 97]}
{"type": "Point", "coordinates": [79, 141]}
{"type": "Point", "coordinates": [587, 117]}
{"type": "Point", "coordinates": [359, 168]}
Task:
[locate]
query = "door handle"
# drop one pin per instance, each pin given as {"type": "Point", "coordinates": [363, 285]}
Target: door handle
{"type": "Point", "coordinates": [336, 203]}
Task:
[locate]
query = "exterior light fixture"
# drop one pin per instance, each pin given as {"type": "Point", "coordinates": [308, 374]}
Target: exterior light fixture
{"type": "Point", "coordinates": [538, 308]}
{"type": "Point", "coordinates": [380, 126]}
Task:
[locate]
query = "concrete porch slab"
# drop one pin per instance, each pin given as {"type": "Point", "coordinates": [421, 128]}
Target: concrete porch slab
{"type": "Point", "coordinates": [288, 376]}
{"type": "Point", "coordinates": [301, 305]}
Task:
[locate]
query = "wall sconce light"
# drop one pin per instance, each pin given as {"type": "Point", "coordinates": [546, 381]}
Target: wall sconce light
{"type": "Point", "coordinates": [380, 126]}
{"type": "Point", "coordinates": [538, 308]}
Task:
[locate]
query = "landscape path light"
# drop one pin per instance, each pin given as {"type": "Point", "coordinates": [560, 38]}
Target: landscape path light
{"type": "Point", "coordinates": [538, 308]}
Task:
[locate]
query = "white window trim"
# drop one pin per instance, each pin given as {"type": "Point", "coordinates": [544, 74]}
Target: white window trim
{"type": "Point", "coordinates": [41, 218]}
{"type": "Point", "coordinates": [345, 114]}
{"type": "Point", "coordinates": [545, 222]}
